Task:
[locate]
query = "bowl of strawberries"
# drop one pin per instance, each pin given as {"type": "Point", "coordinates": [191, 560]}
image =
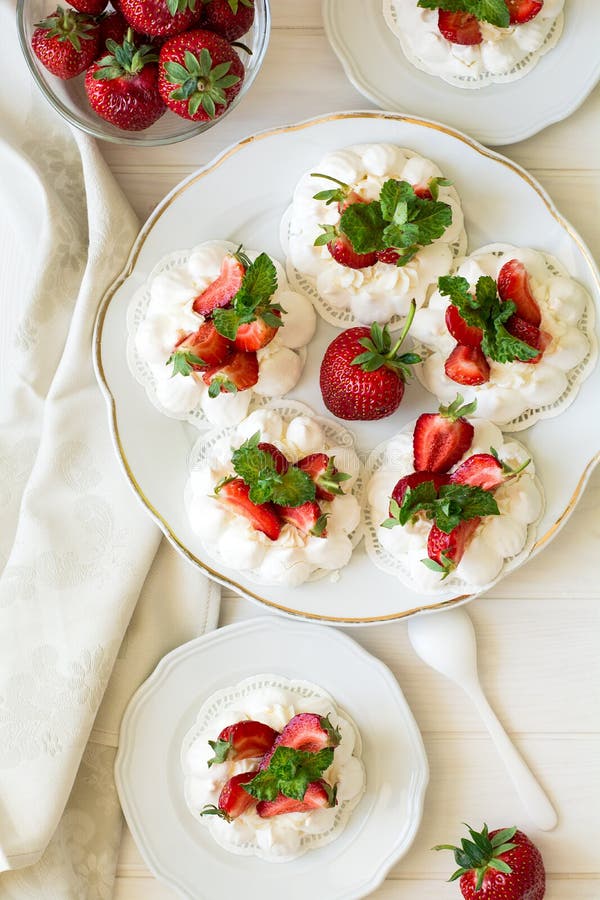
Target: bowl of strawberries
{"type": "Point", "coordinates": [145, 72]}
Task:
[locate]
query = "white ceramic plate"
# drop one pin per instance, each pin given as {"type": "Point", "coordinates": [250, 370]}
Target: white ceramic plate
{"type": "Point", "coordinates": [179, 849]}
{"type": "Point", "coordinates": [154, 449]}
{"type": "Point", "coordinates": [499, 114]}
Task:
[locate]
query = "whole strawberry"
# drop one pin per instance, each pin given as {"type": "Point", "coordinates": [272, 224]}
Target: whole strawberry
{"type": "Point", "coordinates": [66, 42]}
{"type": "Point", "coordinates": [91, 7]}
{"type": "Point", "coordinates": [229, 18]}
{"type": "Point", "coordinates": [498, 865]}
{"type": "Point", "coordinates": [199, 75]}
{"type": "Point", "coordinates": [161, 17]}
{"type": "Point", "coordinates": [362, 375]}
{"type": "Point", "coordinates": [112, 27]}
{"type": "Point", "coordinates": [122, 86]}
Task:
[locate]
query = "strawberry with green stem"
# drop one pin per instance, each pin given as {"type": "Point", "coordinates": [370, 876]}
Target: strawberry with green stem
{"type": "Point", "coordinates": [231, 19]}
{"type": "Point", "coordinates": [199, 350]}
{"type": "Point", "coordinates": [327, 478]}
{"type": "Point", "coordinates": [161, 18]}
{"type": "Point", "coordinates": [66, 42]}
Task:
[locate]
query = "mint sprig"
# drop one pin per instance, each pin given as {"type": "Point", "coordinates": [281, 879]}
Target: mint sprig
{"type": "Point", "coordinates": [485, 310]}
{"type": "Point", "coordinates": [252, 301]}
{"type": "Point", "coordinates": [259, 471]}
{"type": "Point", "coordinates": [448, 507]}
{"type": "Point", "coordinates": [289, 773]}
{"type": "Point", "coordinates": [493, 11]}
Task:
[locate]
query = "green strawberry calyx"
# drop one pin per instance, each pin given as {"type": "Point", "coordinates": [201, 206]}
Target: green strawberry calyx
{"type": "Point", "coordinates": [68, 25]}
{"type": "Point", "coordinates": [180, 6]}
{"type": "Point", "coordinates": [234, 5]}
{"type": "Point", "coordinates": [380, 352]}
{"type": "Point", "coordinates": [482, 853]}
{"type": "Point", "coordinates": [200, 83]}
{"type": "Point", "coordinates": [124, 59]}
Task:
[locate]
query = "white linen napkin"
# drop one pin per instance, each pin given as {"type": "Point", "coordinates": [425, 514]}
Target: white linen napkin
{"type": "Point", "coordinates": [75, 545]}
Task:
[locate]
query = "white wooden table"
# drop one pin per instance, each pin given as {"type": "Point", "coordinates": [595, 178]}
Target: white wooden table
{"type": "Point", "coordinates": [539, 630]}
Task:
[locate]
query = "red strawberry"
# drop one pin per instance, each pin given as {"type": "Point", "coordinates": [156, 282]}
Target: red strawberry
{"type": "Point", "coordinates": [530, 335]}
{"type": "Point", "coordinates": [205, 344]}
{"type": "Point", "coordinates": [244, 740]}
{"type": "Point", "coordinates": [223, 289]}
{"type": "Point", "coordinates": [513, 284]}
{"type": "Point", "coordinates": [389, 256]}
{"type": "Point", "coordinates": [309, 732]}
{"type": "Point", "coordinates": [233, 799]}
{"type": "Point", "coordinates": [467, 365]}
{"type": "Point", "coordinates": [415, 478]}
{"type": "Point", "coordinates": [91, 7]}
{"type": "Point", "coordinates": [238, 374]}
{"type": "Point", "coordinates": [66, 42]}
{"type": "Point", "coordinates": [112, 27]}
{"type": "Point", "coordinates": [323, 472]}
{"type": "Point", "coordinates": [468, 335]}
{"type": "Point", "coordinates": [523, 10]}
{"type": "Point", "coordinates": [200, 75]}
{"type": "Point", "coordinates": [499, 865]}
{"type": "Point", "coordinates": [480, 470]}
{"type": "Point", "coordinates": [281, 461]}
{"type": "Point", "coordinates": [161, 17]}
{"type": "Point", "coordinates": [122, 86]}
{"type": "Point", "coordinates": [319, 795]}
{"type": "Point", "coordinates": [447, 550]}
{"type": "Point", "coordinates": [234, 495]}
{"type": "Point", "coordinates": [307, 518]}
{"type": "Point", "coordinates": [459, 27]}
{"type": "Point", "coordinates": [440, 439]}
{"type": "Point", "coordinates": [363, 375]}
{"type": "Point", "coordinates": [229, 18]}
{"type": "Point", "coordinates": [344, 253]}
{"type": "Point", "coordinates": [255, 335]}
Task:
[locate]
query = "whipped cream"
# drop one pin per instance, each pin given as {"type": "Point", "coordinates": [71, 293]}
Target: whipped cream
{"type": "Point", "coordinates": [293, 557]}
{"type": "Point", "coordinates": [383, 291]}
{"type": "Point", "coordinates": [515, 390]}
{"type": "Point", "coordinates": [272, 700]}
{"type": "Point", "coordinates": [499, 541]}
{"type": "Point", "coordinates": [505, 54]}
{"type": "Point", "coordinates": [164, 310]}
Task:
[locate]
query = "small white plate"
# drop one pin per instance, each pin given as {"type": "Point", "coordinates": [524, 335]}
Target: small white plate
{"type": "Point", "coordinates": [180, 851]}
{"type": "Point", "coordinates": [499, 114]}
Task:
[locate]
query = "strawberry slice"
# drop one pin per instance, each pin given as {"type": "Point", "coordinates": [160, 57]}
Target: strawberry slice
{"type": "Point", "coordinates": [513, 284]}
{"type": "Point", "coordinates": [447, 550]}
{"type": "Point", "coordinates": [467, 365]}
{"type": "Point", "coordinates": [343, 252]}
{"type": "Point", "coordinates": [263, 517]}
{"type": "Point", "coordinates": [480, 470]}
{"type": "Point", "coordinates": [233, 799]}
{"type": "Point", "coordinates": [239, 373]}
{"type": "Point", "coordinates": [530, 335]}
{"type": "Point", "coordinates": [459, 27]}
{"type": "Point", "coordinates": [244, 740]}
{"type": "Point", "coordinates": [468, 335]}
{"type": "Point", "coordinates": [221, 291]}
{"type": "Point", "coordinates": [307, 518]}
{"type": "Point", "coordinates": [324, 474]}
{"type": "Point", "coordinates": [423, 191]}
{"type": "Point", "coordinates": [281, 461]}
{"type": "Point", "coordinates": [415, 478]}
{"type": "Point", "coordinates": [306, 731]}
{"type": "Point", "coordinates": [389, 256]}
{"type": "Point", "coordinates": [523, 10]}
{"type": "Point", "coordinates": [255, 335]}
{"type": "Point", "coordinates": [441, 439]}
{"type": "Point", "coordinates": [206, 344]}
{"type": "Point", "coordinates": [319, 795]}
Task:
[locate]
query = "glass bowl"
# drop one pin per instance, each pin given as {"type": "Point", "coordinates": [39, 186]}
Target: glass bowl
{"type": "Point", "coordinates": [70, 99]}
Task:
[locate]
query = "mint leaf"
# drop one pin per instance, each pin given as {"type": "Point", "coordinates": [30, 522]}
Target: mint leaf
{"type": "Point", "coordinates": [392, 194]}
{"type": "Point", "coordinates": [448, 507]}
{"type": "Point", "coordinates": [294, 488]}
{"type": "Point", "coordinates": [493, 11]}
{"type": "Point", "coordinates": [363, 225]}
{"type": "Point", "coordinates": [252, 301]}
{"type": "Point", "coordinates": [260, 281]}
{"type": "Point", "coordinates": [289, 772]}
{"type": "Point", "coordinates": [227, 322]}
{"type": "Point", "coordinates": [421, 497]}
{"type": "Point", "coordinates": [431, 217]}
{"type": "Point", "coordinates": [259, 471]}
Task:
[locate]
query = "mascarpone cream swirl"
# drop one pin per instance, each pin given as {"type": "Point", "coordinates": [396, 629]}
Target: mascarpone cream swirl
{"type": "Point", "coordinates": [274, 703]}
{"type": "Point", "coordinates": [381, 292]}
{"type": "Point", "coordinates": [497, 540]}
{"type": "Point", "coordinates": [230, 538]}
{"type": "Point", "coordinates": [170, 313]}
{"type": "Point", "coordinates": [514, 389]}
{"type": "Point", "coordinates": [504, 54]}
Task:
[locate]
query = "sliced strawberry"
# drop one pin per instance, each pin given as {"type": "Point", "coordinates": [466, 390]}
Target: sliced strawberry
{"type": "Point", "coordinates": [389, 256]}
{"type": "Point", "coordinates": [255, 335]}
{"type": "Point", "coordinates": [263, 517]}
{"type": "Point", "coordinates": [319, 795]}
{"type": "Point", "coordinates": [309, 732]}
{"type": "Point", "coordinates": [447, 550]}
{"type": "Point", "coordinates": [244, 740]}
{"type": "Point", "coordinates": [307, 518]}
{"type": "Point", "coordinates": [467, 365]}
{"type": "Point", "coordinates": [423, 191]}
{"type": "Point", "coordinates": [468, 335]}
{"type": "Point", "coordinates": [513, 284]}
{"type": "Point", "coordinates": [281, 461]}
{"type": "Point", "coordinates": [221, 291]}
{"type": "Point", "coordinates": [415, 478]}
{"type": "Point", "coordinates": [459, 27]}
{"type": "Point", "coordinates": [441, 439]}
{"type": "Point", "coordinates": [207, 344]}
{"type": "Point", "coordinates": [324, 474]}
{"type": "Point", "coordinates": [240, 370]}
{"type": "Point", "coordinates": [480, 470]}
{"type": "Point", "coordinates": [233, 799]}
{"type": "Point", "coordinates": [343, 252]}
{"type": "Point", "coordinates": [523, 10]}
{"type": "Point", "coordinates": [530, 335]}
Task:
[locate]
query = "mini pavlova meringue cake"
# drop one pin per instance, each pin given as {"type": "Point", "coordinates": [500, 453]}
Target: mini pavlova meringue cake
{"type": "Point", "coordinates": [471, 44]}
{"type": "Point", "coordinates": [276, 497]}
{"type": "Point", "coordinates": [451, 503]}
{"type": "Point", "coordinates": [214, 326]}
{"type": "Point", "coordinates": [510, 329]}
{"type": "Point", "coordinates": [370, 229]}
